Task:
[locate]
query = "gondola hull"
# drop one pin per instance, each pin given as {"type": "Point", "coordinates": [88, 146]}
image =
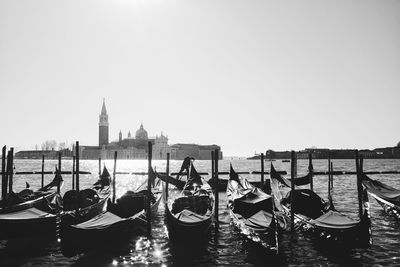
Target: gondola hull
{"type": "Point", "coordinates": [314, 216]}
{"type": "Point", "coordinates": [181, 230]}
{"type": "Point", "coordinates": [388, 197]}
{"type": "Point", "coordinates": [81, 215]}
{"type": "Point", "coordinates": [75, 239]}
{"type": "Point", "coordinates": [36, 226]}
{"type": "Point", "coordinates": [357, 235]}
{"type": "Point", "coordinates": [252, 212]}
{"type": "Point", "coordinates": [388, 207]}
{"type": "Point", "coordinates": [34, 218]}
{"type": "Point", "coordinates": [264, 237]}
{"type": "Point", "coordinates": [42, 203]}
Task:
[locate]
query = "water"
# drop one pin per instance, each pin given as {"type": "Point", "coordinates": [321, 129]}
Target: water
{"type": "Point", "coordinates": [224, 246]}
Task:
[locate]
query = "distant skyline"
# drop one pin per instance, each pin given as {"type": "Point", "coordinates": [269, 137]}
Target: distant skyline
{"type": "Point", "coordinates": [246, 75]}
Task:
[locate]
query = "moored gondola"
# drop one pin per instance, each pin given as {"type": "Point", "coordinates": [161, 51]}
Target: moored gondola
{"type": "Point", "coordinates": [79, 206]}
{"type": "Point", "coordinates": [122, 218]}
{"type": "Point", "coordinates": [318, 217]}
{"type": "Point", "coordinates": [27, 198]}
{"type": "Point", "coordinates": [33, 217]}
{"type": "Point", "coordinates": [388, 197]}
{"type": "Point", "coordinates": [190, 212]}
{"type": "Point", "coordinates": [44, 219]}
{"type": "Point", "coordinates": [252, 212]}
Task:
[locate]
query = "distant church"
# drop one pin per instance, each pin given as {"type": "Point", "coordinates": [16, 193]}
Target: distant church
{"type": "Point", "coordinates": [137, 147]}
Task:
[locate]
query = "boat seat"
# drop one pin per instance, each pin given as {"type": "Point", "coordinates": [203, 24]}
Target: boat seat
{"type": "Point", "coordinates": [74, 200]}
{"type": "Point", "coordinates": [127, 205]}
{"type": "Point", "coordinates": [306, 202]}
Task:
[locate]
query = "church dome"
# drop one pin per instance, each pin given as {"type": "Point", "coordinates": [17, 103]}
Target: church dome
{"type": "Point", "coordinates": [162, 139]}
{"type": "Point", "coordinates": [141, 133]}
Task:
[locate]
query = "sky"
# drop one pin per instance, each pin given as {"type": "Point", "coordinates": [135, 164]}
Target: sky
{"type": "Point", "coordinates": [246, 75]}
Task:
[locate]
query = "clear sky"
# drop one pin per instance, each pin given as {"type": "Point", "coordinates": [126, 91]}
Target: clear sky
{"type": "Point", "coordinates": [246, 75]}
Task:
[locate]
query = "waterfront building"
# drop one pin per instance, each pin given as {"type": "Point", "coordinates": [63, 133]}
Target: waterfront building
{"type": "Point", "coordinates": [137, 147]}
{"type": "Point", "coordinates": [103, 125]}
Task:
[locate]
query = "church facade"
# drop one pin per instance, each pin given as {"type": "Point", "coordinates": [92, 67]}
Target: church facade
{"type": "Point", "coordinates": [137, 147]}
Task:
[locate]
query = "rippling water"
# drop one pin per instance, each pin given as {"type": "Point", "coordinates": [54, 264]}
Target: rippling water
{"type": "Point", "coordinates": [224, 246]}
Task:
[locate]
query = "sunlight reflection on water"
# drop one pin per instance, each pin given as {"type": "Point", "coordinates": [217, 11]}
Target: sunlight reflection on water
{"type": "Point", "coordinates": [226, 245]}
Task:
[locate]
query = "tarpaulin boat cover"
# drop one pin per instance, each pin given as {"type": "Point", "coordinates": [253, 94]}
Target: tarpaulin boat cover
{"type": "Point", "coordinates": [190, 216]}
{"type": "Point", "coordinates": [252, 202]}
{"type": "Point", "coordinates": [382, 190]}
{"type": "Point", "coordinates": [247, 200]}
{"type": "Point", "coordinates": [101, 221]}
{"type": "Point", "coordinates": [334, 219]}
{"type": "Point", "coordinates": [259, 221]}
{"type": "Point", "coordinates": [306, 202]}
{"type": "Point", "coordinates": [32, 213]}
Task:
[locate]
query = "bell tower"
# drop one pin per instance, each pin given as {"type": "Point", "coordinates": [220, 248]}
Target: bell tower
{"type": "Point", "coordinates": [103, 125]}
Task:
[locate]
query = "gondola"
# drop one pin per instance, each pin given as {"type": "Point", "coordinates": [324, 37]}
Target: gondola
{"type": "Point", "coordinates": [318, 217]}
{"type": "Point", "coordinates": [26, 198]}
{"type": "Point", "coordinates": [252, 212]}
{"type": "Point", "coordinates": [80, 206]}
{"type": "Point", "coordinates": [190, 212]}
{"type": "Point", "coordinates": [387, 196]}
{"type": "Point", "coordinates": [122, 218]}
{"type": "Point", "coordinates": [45, 220]}
{"type": "Point", "coordinates": [34, 216]}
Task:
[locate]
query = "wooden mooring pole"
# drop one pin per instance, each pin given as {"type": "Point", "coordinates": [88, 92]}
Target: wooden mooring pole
{"type": "Point", "coordinates": [216, 156]}
{"type": "Point", "coordinates": [3, 174]}
{"type": "Point", "coordinates": [311, 171]}
{"type": "Point", "coordinates": [99, 166]}
{"type": "Point", "coordinates": [10, 167]}
{"type": "Point", "coordinates": [148, 198]}
{"type": "Point", "coordinates": [359, 186]}
{"type": "Point", "coordinates": [359, 166]}
{"type": "Point", "coordinates": [262, 171]}
{"type": "Point", "coordinates": [167, 172]}
{"type": "Point", "coordinates": [59, 173]}
{"type": "Point", "coordinates": [42, 171]}
{"type": "Point", "coordinates": [292, 176]}
{"type": "Point", "coordinates": [114, 177]}
{"type": "Point", "coordinates": [329, 177]}
{"type": "Point", "coordinates": [213, 172]}
{"type": "Point", "coordinates": [212, 165]}
{"type": "Point", "coordinates": [73, 172]}
{"type": "Point", "coordinates": [77, 165]}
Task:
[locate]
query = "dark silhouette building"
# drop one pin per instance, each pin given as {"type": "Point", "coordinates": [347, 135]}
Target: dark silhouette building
{"type": "Point", "coordinates": [137, 147]}
{"type": "Point", "coordinates": [103, 126]}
